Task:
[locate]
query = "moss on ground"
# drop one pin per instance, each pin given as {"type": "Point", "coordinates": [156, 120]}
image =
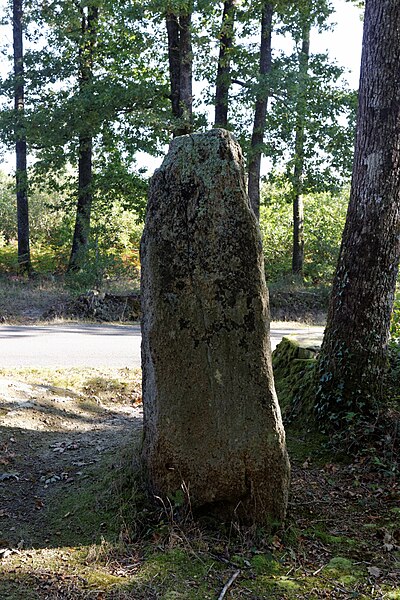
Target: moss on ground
{"type": "Point", "coordinates": [100, 537]}
{"type": "Point", "coordinates": [336, 541]}
{"type": "Point", "coordinates": [93, 548]}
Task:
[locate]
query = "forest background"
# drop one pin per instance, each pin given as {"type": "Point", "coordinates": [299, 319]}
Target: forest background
{"type": "Point", "coordinates": [129, 102]}
{"type": "Point", "coordinates": [100, 90]}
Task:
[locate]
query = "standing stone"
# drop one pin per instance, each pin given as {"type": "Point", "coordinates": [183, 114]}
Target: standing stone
{"type": "Point", "coordinates": [211, 417]}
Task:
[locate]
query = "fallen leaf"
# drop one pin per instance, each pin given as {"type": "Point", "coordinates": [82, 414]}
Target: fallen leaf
{"type": "Point", "coordinates": [374, 571]}
{"type": "Point", "coordinates": [387, 538]}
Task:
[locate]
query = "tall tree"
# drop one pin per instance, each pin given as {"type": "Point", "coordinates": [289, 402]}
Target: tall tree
{"type": "Point", "coordinates": [180, 69]}
{"type": "Point", "coordinates": [298, 174]}
{"type": "Point", "coordinates": [353, 358]}
{"type": "Point", "coordinates": [24, 259]}
{"type": "Point", "coordinates": [89, 24]}
{"type": "Point", "coordinates": [260, 111]}
{"type": "Point", "coordinates": [223, 80]}
{"type": "Point", "coordinates": [91, 118]}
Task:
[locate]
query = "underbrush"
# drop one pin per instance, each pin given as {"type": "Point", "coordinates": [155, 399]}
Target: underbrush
{"type": "Point", "coordinates": [99, 267]}
{"type": "Point", "coordinates": [373, 441]}
{"type": "Point", "coordinates": [24, 299]}
{"type": "Point", "coordinates": [104, 538]}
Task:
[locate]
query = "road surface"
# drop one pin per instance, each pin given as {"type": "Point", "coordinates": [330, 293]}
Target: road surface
{"type": "Point", "coordinates": [74, 345]}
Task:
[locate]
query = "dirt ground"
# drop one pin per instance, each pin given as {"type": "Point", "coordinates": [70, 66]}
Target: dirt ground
{"type": "Point", "coordinates": [50, 438]}
{"type": "Point", "coordinates": [341, 540]}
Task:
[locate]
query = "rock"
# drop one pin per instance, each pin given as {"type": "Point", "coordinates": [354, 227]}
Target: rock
{"type": "Point", "coordinates": [294, 363]}
{"type": "Point", "coordinates": [212, 424]}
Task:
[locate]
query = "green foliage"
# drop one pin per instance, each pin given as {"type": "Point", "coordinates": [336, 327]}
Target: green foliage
{"type": "Point", "coordinates": [324, 217]}
{"type": "Point", "coordinates": [8, 258]}
{"type": "Point", "coordinates": [122, 106]}
{"type": "Point", "coordinates": [125, 107]}
{"type": "Point", "coordinates": [395, 324]}
{"type": "Point", "coordinates": [328, 136]}
{"type": "Point", "coordinates": [394, 348]}
{"type": "Point", "coordinates": [114, 240]}
{"type": "Point", "coordinates": [44, 215]}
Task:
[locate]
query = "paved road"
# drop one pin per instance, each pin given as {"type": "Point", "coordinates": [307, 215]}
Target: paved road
{"type": "Point", "coordinates": [93, 345]}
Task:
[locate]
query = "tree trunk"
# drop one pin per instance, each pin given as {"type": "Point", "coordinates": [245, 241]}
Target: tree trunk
{"type": "Point", "coordinates": [84, 206]}
{"type": "Point", "coordinates": [174, 63]}
{"type": "Point", "coordinates": [260, 113]}
{"type": "Point", "coordinates": [180, 71]}
{"type": "Point", "coordinates": [353, 358]}
{"type": "Point", "coordinates": [24, 259]}
{"type": "Point", "coordinates": [223, 81]}
{"type": "Point", "coordinates": [186, 95]}
{"type": "Point", "coordinates": [298, 210]}
{"type": "Point", "coordinates": [85, 193]}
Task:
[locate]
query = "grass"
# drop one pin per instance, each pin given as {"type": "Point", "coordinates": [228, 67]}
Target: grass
{"type": "Point", "coordinates": [107, 385]}
{"type": "Point", "coordinates": [103, 539]}
{"type": "Point", "coordinates": [22, 299]}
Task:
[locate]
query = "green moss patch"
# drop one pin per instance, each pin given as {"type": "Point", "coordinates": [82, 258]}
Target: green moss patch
{"type": "Point", "coordinates": [99, 536]}
{"type": "Point", "coordinates": [265, 564]}
{"type": "Point", "coordinates": [294, 366]}
{"type": "Point", "coordinates": [343, 570]}
{"type": "Point", "coordinates": [179, 573]}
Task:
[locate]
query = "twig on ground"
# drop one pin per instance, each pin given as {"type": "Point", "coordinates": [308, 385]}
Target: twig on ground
{"type": "Point", "coordinates": [228, 585]}
{"type": "Point", "coordinates": [318, 570]}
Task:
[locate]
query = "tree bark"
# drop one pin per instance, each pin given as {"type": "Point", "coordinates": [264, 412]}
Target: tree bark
{"type": "Point", "coordinates": [84, 206]}
{"type": "Point", "coordinates": [223, 81]}
{"type": "Point", "coordinates": [353, 358]}
{"type": "Point", "coordinates": [180, 59]}
{"type": "Point", "coordinates": [298, 174]}
{"type": "Point", "coordinates": [260, 113]}
{"type": "Point", "coordinates": [186, 94]}
{"type": "Point", "coordinates": [85, 193]}
{"type": "Point", "coordinates": [24, 259]}
{"type": "Point", "coordinates": [174, 62]}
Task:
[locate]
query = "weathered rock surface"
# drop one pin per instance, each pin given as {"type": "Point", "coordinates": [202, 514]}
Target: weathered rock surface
{"type": "Point", "coordinates": [211, 417]}
{"type": "Point", "coordinates": [294, 364]}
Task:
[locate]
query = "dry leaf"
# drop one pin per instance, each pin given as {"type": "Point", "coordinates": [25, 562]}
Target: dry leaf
{"type": "Point", "coordinates": [374, 571]}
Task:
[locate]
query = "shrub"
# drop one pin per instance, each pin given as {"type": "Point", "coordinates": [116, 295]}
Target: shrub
{"type": "Point", "coordinates": [113, 245]}
{"type": "Point", "coordinates": [324, 218]}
